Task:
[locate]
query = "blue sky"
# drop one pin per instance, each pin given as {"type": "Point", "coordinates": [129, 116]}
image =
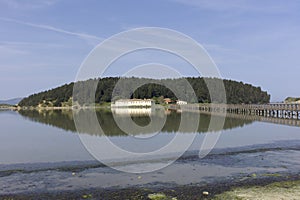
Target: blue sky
{"type": "Point", "coordinates": [43, 42]}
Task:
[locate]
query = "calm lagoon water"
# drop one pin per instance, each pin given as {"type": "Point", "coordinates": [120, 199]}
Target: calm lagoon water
{"type": "Point", "coordinates": [39, 150]}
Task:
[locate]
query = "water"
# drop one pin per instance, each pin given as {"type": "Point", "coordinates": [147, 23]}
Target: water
{"type": "Point", "coordinates": [39, 150]}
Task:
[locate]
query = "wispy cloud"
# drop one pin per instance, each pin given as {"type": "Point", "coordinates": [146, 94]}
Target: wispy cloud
{"type": "Point", "coordinates": [83, 36]}
{"type": "Point", "coordinates": [126, 26]}
{"type": "Point", "coordinates": [23, 45]}
{"type": "Point", "coordinates": [27, 5]}
{"type": "Point", "coordinates": [240, 5]}
{"type": "Point", "coordinates": [8, 50]}
{"type": "Point", "coordinates": [31, 66]}
{"type": "Point", "coordinates": [12, 48]}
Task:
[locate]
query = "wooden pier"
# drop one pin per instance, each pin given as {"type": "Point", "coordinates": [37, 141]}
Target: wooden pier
{"type": "Point", "coordinates": [279, 113]}
{"type": "Point", "coordinates": [286, 111]}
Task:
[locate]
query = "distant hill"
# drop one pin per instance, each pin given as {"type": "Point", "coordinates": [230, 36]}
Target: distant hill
{"type": "Point", "coordinates": [11, 101]}
{"type": "Point", "coordinates": [236, 92]}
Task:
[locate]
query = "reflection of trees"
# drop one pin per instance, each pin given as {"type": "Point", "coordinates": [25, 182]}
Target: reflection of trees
{"type": "Point", "coordinates": [57, 118]}
{"type": "Point", "coordinates": [64, 119]}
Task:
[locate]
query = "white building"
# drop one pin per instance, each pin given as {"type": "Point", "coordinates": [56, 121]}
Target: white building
{"type": "Point", "coordinates": [180, 102]}
{"type": "Point", "coordinates": [133, 103]}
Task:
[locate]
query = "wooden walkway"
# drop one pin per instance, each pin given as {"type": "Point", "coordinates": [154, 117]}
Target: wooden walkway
{"type": "Point", "coordinates": [286, 114]}
{"type": "Point", "coordinates": [289, 111]}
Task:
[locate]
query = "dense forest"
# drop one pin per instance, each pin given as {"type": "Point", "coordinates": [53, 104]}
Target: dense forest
{"type": "Point", "coordinates": [236, 92]}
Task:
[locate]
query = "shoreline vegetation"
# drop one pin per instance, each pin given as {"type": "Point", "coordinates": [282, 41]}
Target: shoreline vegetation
{"type": "Point", "coordinates": [107, 105]}
{"type": "Point", "coordinates": [8, 107]}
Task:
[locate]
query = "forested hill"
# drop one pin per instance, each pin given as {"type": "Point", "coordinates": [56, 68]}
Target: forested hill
{"type": "Point", "coordinates": [236, 92]}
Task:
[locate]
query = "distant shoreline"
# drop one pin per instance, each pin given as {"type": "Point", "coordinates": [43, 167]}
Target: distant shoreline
{"type": "Point", "coordinates": [8, 107]}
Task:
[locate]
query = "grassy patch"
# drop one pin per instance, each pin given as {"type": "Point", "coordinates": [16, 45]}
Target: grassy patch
{"type": "Point", "coordinates": [160, 196]}
{"type": "Point", "coordinates": [274, 191]}
{"type": "Point", "coordinates": [87, 196]}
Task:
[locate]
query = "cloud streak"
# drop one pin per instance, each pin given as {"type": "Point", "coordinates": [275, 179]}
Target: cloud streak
{"type": "Point", "coordinates": [27, 5]}
{"type": "Point", "coordinates": [29, 44]}
{"type": "Point", "coordinates": [239, 6]}
{"type": "Point", "coordinates": [82, 36]}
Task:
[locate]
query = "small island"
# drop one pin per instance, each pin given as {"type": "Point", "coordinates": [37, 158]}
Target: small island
{"type": "Point", "coordinates": [63, 96]}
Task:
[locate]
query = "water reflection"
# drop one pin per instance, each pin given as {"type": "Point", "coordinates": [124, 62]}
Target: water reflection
{"type": "Point", "coordinates": [64, 119]}
{"type": "Point", "coordinates": [38, 152]}
{"type": "Point", "coordinates": [133, 111]}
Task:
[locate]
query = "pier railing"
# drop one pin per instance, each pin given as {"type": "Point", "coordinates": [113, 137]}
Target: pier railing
{"type": "Point", "coordinates": [280, 113]}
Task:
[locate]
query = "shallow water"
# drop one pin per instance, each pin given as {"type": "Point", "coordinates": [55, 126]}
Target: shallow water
{"type": "Point", "coordinates": [43, 151]}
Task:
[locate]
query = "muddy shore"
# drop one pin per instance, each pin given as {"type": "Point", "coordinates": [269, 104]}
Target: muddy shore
{"type": "Point", "coordinates": [178, 192]}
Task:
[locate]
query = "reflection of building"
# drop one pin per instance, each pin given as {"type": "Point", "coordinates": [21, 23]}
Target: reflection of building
{"type": "Point", "coordinates": [132, 111]}
{"type": "Point", "coordinates": [133, 103]}
{"type": "Point", "coordinates": [179, 102]}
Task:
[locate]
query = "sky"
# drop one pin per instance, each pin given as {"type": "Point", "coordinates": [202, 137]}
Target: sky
{"type": "Point", "coordinates": [44, 42]}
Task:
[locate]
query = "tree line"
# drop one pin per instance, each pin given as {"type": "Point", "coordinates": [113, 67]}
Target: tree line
{"type": "Point", "coordinates": [112, 88]}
